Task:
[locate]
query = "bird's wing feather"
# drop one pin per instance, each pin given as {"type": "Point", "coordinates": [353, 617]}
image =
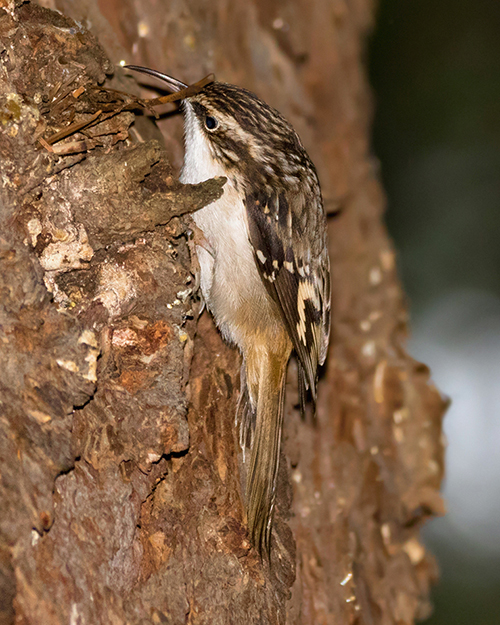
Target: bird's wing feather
{"type": "Point", "coordinates": [294, 268]}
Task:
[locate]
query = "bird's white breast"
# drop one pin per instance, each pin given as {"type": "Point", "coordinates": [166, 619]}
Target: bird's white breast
{"type": "Point", "coordinates": [229, 277]}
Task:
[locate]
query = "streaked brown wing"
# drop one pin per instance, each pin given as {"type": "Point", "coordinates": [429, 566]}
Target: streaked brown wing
{"type": "Point", "coordinates": [290, 253]}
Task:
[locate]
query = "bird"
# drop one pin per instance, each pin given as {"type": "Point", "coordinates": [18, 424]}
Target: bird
{"type": "Point", "coordinates": [264, 264]}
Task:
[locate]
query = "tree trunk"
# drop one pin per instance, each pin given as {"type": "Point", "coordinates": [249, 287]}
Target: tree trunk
{"type": "Point", "coordinates": [119, 461]}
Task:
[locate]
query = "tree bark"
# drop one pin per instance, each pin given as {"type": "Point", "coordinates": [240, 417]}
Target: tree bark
{"type": "Point", "coordinates": [120, 493]}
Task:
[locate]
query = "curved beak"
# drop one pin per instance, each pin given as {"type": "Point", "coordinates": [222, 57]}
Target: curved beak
{"type": "Point", "coordinates": [173, 84]}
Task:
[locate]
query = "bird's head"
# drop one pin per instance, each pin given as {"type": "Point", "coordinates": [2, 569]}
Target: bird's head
{"type": "Point", "coordinates": [243, 134]}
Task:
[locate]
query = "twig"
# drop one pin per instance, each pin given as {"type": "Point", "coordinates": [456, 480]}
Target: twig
{"type": "Point", "coordinates": [72, 128]}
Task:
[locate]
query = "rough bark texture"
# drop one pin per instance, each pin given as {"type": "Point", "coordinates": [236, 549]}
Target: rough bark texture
{"type": "Point", "coordinates": [119, 465]}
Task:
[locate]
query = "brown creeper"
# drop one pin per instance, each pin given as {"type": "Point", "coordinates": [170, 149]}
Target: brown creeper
{"type": "Point", "coordinates": [265, 271]}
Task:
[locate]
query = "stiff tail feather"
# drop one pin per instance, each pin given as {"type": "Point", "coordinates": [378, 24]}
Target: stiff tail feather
{"type": "Point", "coordinates": [264, 461]}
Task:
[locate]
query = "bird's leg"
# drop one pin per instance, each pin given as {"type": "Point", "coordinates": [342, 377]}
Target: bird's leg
{"type": "Point", "coordinates": [196, 239]}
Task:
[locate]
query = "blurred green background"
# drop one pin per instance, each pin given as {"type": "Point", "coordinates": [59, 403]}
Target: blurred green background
{"type": "Point", "coordinates": [435, 71]}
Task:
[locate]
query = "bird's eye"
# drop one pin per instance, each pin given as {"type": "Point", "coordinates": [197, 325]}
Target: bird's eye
{"type": "Point", "coordinates": [211, 123]}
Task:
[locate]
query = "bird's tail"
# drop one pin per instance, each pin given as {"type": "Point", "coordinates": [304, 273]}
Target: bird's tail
{"type": "Point", "coordinates": [264, 461]}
